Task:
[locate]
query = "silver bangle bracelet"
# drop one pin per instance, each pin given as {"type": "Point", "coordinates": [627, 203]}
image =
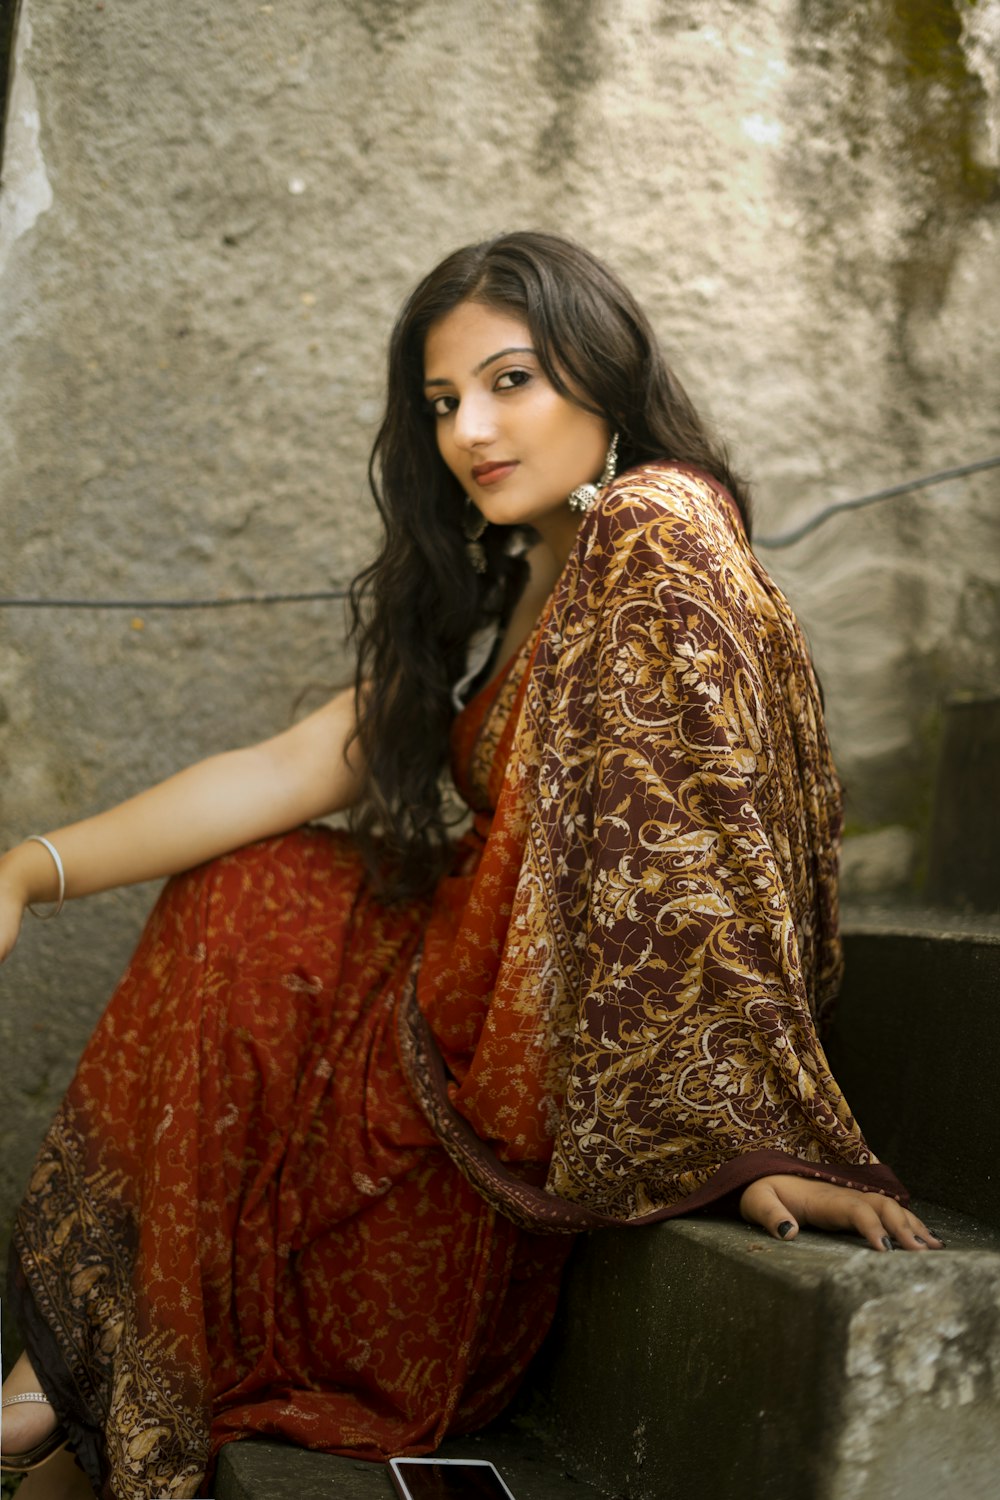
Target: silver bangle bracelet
{"type": "Point", "coordinates": [43, 916]}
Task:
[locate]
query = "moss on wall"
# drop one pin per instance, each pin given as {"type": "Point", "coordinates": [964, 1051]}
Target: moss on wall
{"type": "Point", "coordinates": [913, 111]}
{"type": "Point", "coordinates": [944, 100]}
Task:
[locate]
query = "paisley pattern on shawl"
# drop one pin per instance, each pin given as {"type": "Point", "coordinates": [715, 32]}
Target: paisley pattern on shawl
{"type": "Point", "coordinates": [651, 931]}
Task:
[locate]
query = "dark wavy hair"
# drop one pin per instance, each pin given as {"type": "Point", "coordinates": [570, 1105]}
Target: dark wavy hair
{"type": "Point", "coordinates": [415, 608]}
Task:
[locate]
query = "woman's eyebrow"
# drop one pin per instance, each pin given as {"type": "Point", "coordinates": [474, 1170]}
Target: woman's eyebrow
{"type": "Point", "coordinates": [489, 360]}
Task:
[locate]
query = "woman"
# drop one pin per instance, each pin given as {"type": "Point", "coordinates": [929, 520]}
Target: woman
{"type": "Point", "coordinates": [298, 1183]}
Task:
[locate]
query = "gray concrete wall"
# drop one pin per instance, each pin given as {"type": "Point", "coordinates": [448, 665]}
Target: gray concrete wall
{"type": "Point", "coordinates": [209, 214]}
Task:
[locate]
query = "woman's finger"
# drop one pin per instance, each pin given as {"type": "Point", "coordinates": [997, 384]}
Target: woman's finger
{"type": "Point", "coordinates": [867, 1218]}
{"type": "Point", "coordinates": [905, 1230]}
{"type": "Point", "coordinates": [761, 1204]}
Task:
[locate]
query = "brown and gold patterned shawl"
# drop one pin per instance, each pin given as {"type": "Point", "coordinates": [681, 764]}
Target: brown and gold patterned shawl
{"type": "Point", "coordinates": [651, 933]}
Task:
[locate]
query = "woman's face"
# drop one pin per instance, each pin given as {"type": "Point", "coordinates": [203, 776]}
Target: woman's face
{"type": "Point", "coordinates": [515, 445]}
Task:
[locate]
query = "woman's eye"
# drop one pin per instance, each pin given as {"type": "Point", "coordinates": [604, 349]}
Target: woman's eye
{"type": "Point", "coordinates": [509, 380]}
{"type": "Point", "coordinates": [441, 406]}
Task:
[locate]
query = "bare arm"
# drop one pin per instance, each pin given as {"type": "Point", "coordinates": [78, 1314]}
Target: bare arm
{"type": "Point", "coordinates": [208, 809]}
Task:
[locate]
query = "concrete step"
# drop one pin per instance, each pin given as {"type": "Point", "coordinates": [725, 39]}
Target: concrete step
{"type": "Point", "coordinates": [700, 1358]}
{"type": "Point", "coordinates": [256, 1470]}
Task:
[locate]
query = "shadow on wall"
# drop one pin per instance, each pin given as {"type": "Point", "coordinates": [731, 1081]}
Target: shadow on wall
{"type": "Point", "coordinates": [9, 11]}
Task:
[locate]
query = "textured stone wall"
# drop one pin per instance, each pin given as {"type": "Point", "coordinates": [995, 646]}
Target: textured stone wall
{"type": "Point", "coordinates": [209, 214]}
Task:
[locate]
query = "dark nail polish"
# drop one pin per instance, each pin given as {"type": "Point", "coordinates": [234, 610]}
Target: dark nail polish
{"type": "Point", "coordinates": [785, 1227]}
{"type": "Point", "coordinates": [887, 1243]}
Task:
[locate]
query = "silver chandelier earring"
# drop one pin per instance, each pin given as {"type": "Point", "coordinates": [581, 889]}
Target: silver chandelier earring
{"type": "Point", "coordinates": [585, 496]}
{"type": "Point", "coordinates": [474, 525]}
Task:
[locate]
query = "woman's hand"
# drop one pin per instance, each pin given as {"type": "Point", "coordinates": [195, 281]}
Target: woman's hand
{"type": "Point", "coordinates": [782, 1204]}
{"type": "Point", "coordinates": [27, 873]}
{"type": "Point", "coordinates": [11, 911]}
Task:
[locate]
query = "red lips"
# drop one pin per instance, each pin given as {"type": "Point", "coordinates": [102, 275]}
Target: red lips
{"type": "Point", "coordinates": [491, 473]}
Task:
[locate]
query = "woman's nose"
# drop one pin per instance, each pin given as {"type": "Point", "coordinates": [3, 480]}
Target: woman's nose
{"type": "Point", "coordinates": [474, 422]}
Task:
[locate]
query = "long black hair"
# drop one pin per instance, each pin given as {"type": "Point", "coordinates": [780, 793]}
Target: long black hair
{"type": "Point", "coordinates": [415, 608]}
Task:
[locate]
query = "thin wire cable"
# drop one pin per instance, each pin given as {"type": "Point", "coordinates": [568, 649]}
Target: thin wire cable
{"type": "Point", "coordinates": [234, 601]}
{"type": "Point", "coordinates": [141, 606]}
{"type": "Point", "coordinates": [786, 538]}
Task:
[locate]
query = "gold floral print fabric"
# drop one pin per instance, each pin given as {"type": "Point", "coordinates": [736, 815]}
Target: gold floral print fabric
{"type": "Point", "coordinates": [668, 816]}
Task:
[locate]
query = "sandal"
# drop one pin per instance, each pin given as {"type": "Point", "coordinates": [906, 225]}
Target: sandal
{"type": "Point", "coordinates": [20, 1463]}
